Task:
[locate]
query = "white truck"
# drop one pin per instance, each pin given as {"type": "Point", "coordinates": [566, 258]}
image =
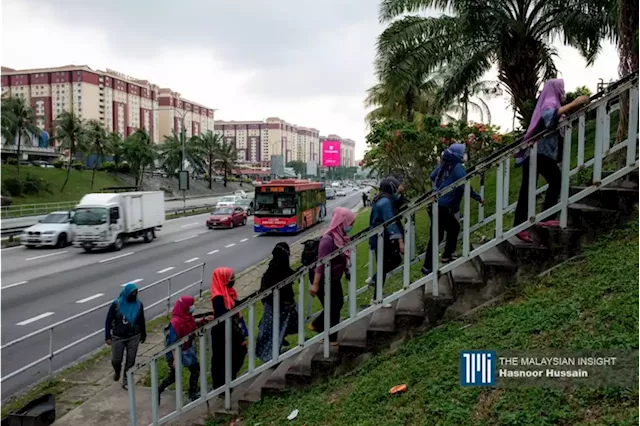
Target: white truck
{"type": "Point", "coordinates": [110, 219]}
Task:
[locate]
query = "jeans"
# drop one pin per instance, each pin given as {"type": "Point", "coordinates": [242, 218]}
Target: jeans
{"type": "Point", "coordinates": [337, 300]}
{"type": "Point", "coordinates": [194, 374]}
{"type": "Point", "coordinates": [548, 168]}
{"type": "Point", "coordinates": [391, 259]}
{"type": "Point", "coordinates": [446, 222]}
{"type": "Point", "coordinates": [118, 346]}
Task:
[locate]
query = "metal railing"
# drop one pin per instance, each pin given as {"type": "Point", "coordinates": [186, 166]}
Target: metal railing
{"type": "Point", "coordinates": [499, 164]}
{"type": "Point", "coordinates": [171, 293]}
{"type": "Point", "coordinates": [22, 210]}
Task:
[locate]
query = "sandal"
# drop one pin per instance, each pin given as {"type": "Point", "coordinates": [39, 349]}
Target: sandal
{"type": "Point", "coordinates": [524, 236]}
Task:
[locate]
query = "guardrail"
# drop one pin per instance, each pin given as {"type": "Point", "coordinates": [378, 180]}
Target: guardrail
{"type": "Point", "coordinates": [50, 328]}
{"type": "Point", "coordinates": [24, 210]}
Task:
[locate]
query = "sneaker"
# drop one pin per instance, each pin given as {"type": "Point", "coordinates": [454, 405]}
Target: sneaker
{"type": "Point", "coordinates": [387, 305]}
{"type": "Point", "coordinates": [369, 281]}
{"type": "Point", "coordinates": [550, 224]}
{"type": "Point", "coordinates": [426, 271]}
{"type": "Point", "coordinates": [524, 236]}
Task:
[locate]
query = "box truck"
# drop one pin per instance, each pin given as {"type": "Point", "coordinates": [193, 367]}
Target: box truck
{"type": "Point", "coordinates": [109, 220]}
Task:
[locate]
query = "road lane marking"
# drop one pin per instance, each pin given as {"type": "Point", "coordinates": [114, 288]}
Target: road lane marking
{"type": "Point", "coordinates": [190, 224]}
{"type": "Point", "coordinates": [46, 255]}
{"type": "Point", "coordinates": [193, 259]}
{"type": "Point", "coordinates": [213, 252]}
{"type": "Point", "coordinates": [256, 236]}
{"type": "Point", "coordinates": [230, 245]}
{"type": "Point", "coordinates": [243, 240]}
{"type": "Point", "coordinates": [36, 318]}
{"type": "Point", "coordinates": [186, 238]}
{"type": "Point", "coordinates": [14, 285]}
{"type": "Point", "coordinates": [12, 248]}
{"type": "Point", "coordinates": [117, 257]}
{"type": "Point", "coordinates": [86, 299]}
{"type": "Point", "coordinates": [162, 271]}
{"type": "Point", "coordinates": [136, 281]}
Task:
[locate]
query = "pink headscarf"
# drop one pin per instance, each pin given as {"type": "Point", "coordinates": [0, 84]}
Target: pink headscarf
{"type": "Point", "coordinates": [342, 217]}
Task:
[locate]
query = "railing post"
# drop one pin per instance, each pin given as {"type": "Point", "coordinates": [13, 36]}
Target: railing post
{"type": "Point", "coordinates": [499, 198]}
{"type": "Point", "coordinates": [533, 182]}
{"type": "Point", "coordinates": [50, 352]}
{"type": "Point", "coordinates": [202, 279]}
{"type": "Point", "coordinates": [275, 335]}
{"type": "Point", "coordinates": [379, 266]}
{"type": "Point", "coordinates": [413, 237]}
{"type": "Point", "coordinates": [327, 307]}
{"type": "Point", "coordinates": [566, 167]}
{"type": "Point", "coordinates": [301, 295]}
{"type": "Point", "coordinates": [480, 206]}
{"type": "Point", "coordinates": [370, 264]}
{"type": "Point", "coordinates": [252, 336]}
{"type": "Point", "coordinates": [435, 247]}
{"type": "Point", "coordinates": [169, 298]}
{"type": "Point", "coordinates": [227, 363]}
{"type": "Point", "coordinates": [178, 364]}
{"type": "Point", "coordinates": [606, 131]}
{"type": "Point", "coordinates": [154, 391]}
{"type": "Point", "coordinates": [406, 272]}
{"type": "Point", "coordinates": [581, 124]}
{"type": "Point", "coordinates": [505, 184]}
{"type": "Point", "coordinates": [632, 132]}
{"type": "Point", "coordinates": [353, 283]}
{"type": "Point", "coordinates": [466, 219]}
{"type": "Point", "coordinates": [597, 156]}
{"type": "Point", "coordinates": [132, 398]}
{"type": "Point", "coordinates": [203, 366]}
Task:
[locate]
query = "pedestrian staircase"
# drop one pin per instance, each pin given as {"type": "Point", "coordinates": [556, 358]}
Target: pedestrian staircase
{"type": "Point", "coordinates": [482, 273]}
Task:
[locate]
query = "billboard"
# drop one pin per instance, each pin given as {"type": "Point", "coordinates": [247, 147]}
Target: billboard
{"type": "Point", "coordinates": [330, 153]}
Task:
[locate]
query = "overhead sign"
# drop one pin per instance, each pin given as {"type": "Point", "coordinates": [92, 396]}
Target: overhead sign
{"type": "Point", "coordinates": [330, 153]}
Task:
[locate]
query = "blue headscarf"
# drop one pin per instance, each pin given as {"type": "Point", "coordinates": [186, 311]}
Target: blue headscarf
{"type": "Point", "coordinates": [452, 156]}
{"type": "Point", "coordinates": [129, 310]}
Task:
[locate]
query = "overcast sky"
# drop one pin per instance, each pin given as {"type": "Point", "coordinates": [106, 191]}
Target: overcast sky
{"type": "Point", "coordinates": [308, 62]}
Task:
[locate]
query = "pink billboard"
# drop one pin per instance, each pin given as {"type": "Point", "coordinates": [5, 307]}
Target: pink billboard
{"type": "Point", "coordinates": [330, 153]}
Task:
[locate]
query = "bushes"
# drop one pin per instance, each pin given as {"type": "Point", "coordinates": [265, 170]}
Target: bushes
{"type": "Point", "coordinates": [123, 168]}
{"type": "Point", "coordinates": [108, 166]}
{"type": "Point", "coordinates": [78, 165]}
{"type": "Point", "coordinates": [12, 161]}
{"type": "Point", "coordinates": [30, 185]}
{"type": "Point", "coordinates": [13, 186]}
{"type": "Point", "coordinates": [58, 164]}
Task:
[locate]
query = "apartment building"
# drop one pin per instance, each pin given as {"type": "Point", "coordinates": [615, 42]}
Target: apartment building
{"type": "Point", "coordinates": [347, 149]}
{"type": "Point", "coordinates": [174, 111]}
{"type": "Point", "coordinates": [256, 141]}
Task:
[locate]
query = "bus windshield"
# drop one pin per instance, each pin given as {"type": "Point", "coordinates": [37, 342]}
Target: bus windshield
{"type": "Point", "coordinates": [276, 204]}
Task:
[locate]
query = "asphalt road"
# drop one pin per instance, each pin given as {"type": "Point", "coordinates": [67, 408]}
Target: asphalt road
{"type": "Point", "coordinates": [44, 286]}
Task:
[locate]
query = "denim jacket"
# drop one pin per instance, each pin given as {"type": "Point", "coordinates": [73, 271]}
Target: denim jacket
{"type": "Point", "coordinates": [382, 211]}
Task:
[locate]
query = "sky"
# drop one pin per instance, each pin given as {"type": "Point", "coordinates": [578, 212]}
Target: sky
{"type": "Point", "coordinates": [307, 62]}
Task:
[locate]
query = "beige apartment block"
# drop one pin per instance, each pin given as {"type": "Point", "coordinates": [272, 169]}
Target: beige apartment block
{"type": "Point", "coordinates": [175, 111]}
{"type": "Point", "coordinates": [347, 149]}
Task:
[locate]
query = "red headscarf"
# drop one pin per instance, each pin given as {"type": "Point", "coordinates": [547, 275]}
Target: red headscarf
{"type": "Point", "coordinates": [182, 321]}
{"type": "Point", "coordinates": [219, 281]}
{"type": "Point", "coordinates": [342, 217]}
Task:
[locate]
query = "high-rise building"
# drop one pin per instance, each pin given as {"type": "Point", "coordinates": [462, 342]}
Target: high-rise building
{"type": "Point", "coordinates": [347, 149]}
{"type": "Point", "coordinates": [256, 141]}
{"type": "Point", "coordinates": [175, 110]}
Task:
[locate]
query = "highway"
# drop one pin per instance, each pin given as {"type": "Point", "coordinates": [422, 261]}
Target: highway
{"type": "Point", "coordinates": [43, 286]}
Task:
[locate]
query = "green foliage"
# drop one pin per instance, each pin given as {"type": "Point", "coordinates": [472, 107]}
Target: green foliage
{"type": "Point", "coordinates": [579, 91]}
{"type": "Point", "coordinates": [17, 124]}
{"type": "Point", "coordinates": [58, 164]}
{"type": "Point", "coordinates": [210, 144]}
{"type": "Point", "coordinates": [170, 153]}
{"type": "Point", "coordinates": [71, 132]}
{"type": "Point", "coordinates": [299, 167]}
{"type": "Point", "coordinates": [35, 185]}
{"type": "Point", "coordinates": [12, 161]}
{"type": "Point", "coordinates": [13, 186]}
{"type": "Point", "coordinates": [109, 166]}
{"type": "Point", "coordinates": [78, 165]}
{"type": "Point", "coordinates": [226, 158]}
{"type": "Point", "coordinates": [139, 152]}
{"type": "Point", "coordinates": [123, 168]}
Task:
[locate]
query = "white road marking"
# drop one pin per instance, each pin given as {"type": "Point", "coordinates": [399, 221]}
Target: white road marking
{"type": "Point", "coordinates": [256, 236]}
{"type": "Point", "coordinates": [243, 240]}
{"type": "Point", "coordinates": [14, 285]}
{"type": "Point", "coordinates": [213, 252]}
{"type": "Point", "coordinates": [230, 245]}
{"type": "Point", "coordinates": [12, 248]}
{"type": "Point", "coordinates": [193, 259]}
{"type": "Point", "coordinates": [189, 224]}
{"type": "Point", "coordinates": [46, 255]}
{"type": "Point", "coordinates": [86, 299]}
{"type": "Point", "coordinates": [162, 271]}
{"type": "Point", "coordinates": [36, 318]}
{"type": "Point", "coordinates": [186, 238]}
{"type": "Point", "coordinates": [136, 281]}
{"type": "Point", "coordinates": [117, 257]}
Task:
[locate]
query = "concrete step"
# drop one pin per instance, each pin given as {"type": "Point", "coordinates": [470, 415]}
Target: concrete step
{"type": "Point", "coordinates": [622, 199]}
{"type": "Point", "coordinates": [277, 382]}
{"type": "Point", "coordinates": [353, 339]}
{"type": "Point", "coordinates": [628, 181]}
{"type": "Point", "coordinates": [237, 394]}
{"type": "Point", "coordinates": [321, 366]}
{"type": "Point", "coordinates": [410, 310]}
{"type": "Point", "coordinates": [254, 391]}
{"type": "Point", "coordinates": [528, 255]}
{"type": "Point", "coordinates": [590, 217]}
{"type": "Point", "coordinates": [300, 373]}
{"type": "Point", "coordinates": [466, 275]}
{"type": "Point", "coordinates": [381, 327]}
{"type": "Point", "coordinates": [560, 242]}
{"type": "Point", "coordinates": [493, 264]}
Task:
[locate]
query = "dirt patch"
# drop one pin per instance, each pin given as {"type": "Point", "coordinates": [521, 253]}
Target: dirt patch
{"type": "Point", "coordinates": [486, 400]}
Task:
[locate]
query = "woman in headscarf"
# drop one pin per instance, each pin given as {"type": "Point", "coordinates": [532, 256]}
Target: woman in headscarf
{"type": "Point", "coordinates": [448, 171]}
{"type": "Point", "coordinates": [385, 207]}
{"type": "Point", "coordinates": [224, 298]}
{"type": "Point", "coordinates": [183, 323]}
{"type": "Point", "coordinates": [548, 112]}
{"type": "Point", "coordinates": [333, 239]}
{"type": "Point", "coordinates": [125, 328]}
{"type": "Point", "coordinates": [278, 271]}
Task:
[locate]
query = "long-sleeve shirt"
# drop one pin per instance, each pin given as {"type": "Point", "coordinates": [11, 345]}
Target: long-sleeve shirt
{"type": "Point", "coordinates": [381, 212]}
{"type": "Point", "coordinates": [452, 199]}
{"type": "Point", "coordinates": [115, 326]}
{"type": "Point", "coordinates": [338, 263]}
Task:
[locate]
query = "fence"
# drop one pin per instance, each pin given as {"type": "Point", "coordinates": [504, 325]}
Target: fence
{"type": "Point", "coordinates": [21, 210]}
{"type": "Point", "coordinates": [497, 167]}
{"type": "Point", "coordinates": [51, 328]}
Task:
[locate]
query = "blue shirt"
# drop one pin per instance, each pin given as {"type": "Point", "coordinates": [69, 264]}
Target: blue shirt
{"type": "Point", "coordinates": [381, 212]}
{"type": "Point", "coordinates": [452, 199]}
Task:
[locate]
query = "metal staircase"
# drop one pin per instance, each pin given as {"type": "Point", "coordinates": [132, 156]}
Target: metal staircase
{"type": "Point", "coordinates": [609, 193]}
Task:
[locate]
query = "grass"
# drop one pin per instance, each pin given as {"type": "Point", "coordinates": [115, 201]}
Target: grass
{"type": "Point", "coordinates": [591, 303]}
{"type": "Point", "coordinates": [79, 183]}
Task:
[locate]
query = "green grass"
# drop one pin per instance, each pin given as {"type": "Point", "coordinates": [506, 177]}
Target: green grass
{"type": "Point", "coordinates": [586, 304]}
{"type": "Point", "coordinates": [79, 183]}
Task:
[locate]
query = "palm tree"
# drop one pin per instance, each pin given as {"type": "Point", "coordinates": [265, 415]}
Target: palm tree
{"type": "Point", "coordinates": [139, 152]}
{"type": "Point", "coordinates": [627, 42]}
{"type": "Point", "coordinates": [472, 99]}
{"type": "Point", "coordinates": [227, 157]}
{"type": "Point", "coordinates": [171, 153]}
{"type": "Point", "coordinates": [114, 142]}
{"type": "Point", "coordinates": [514, 34]}
{"type": "Point", "coordinates": [210, 143]}
{"type": "Point", "coordinates": [71, 131]}
{"type": "Point", "coordinates": [98, 144]}
{"type": "Point", "coordinates": [17, 123]}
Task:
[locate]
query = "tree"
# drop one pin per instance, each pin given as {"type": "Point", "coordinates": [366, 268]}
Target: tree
{"type": "Point", "coordinates": [17, 124]}
{"type": "Point", "coordinates": [210, 144]}
{"type": "Point", "coordinates": [114, 142]}
{"type": "Point", "coordinates": [98, 144]}
{"type": "Point", "coordinates": [71, 132]}
{"type": "Point", "coordinates": [139, 152]}
{"type": "Point", "coordinates": [170, 152]}
{"type": "Point", "coordinates": [300, 167]}
{"type": "Point", "coordinates": [627, 43]}
{"type": "Point", "coordinates": [579, 91]}
{"type": "Point", "coordinates": [514, 34]}
{"type": "Point", "coordinates": [226, 158]}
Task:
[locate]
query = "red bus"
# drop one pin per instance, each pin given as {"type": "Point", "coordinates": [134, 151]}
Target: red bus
{"type": "Point", "coordinates": [288, 205]}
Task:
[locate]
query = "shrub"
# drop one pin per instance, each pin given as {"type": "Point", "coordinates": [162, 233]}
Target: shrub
{"type": "Point", "coordinates": [232, 179]}
{"type": "Point", "coordinates": [12, 161]}
{"type": "Point", "coordinates": [247, 180]}
{"type": "Point", "coordinates": [123, 168]}
{"type": "Point", "coordinates": [108, 166]}
{"type": "Point", "coordinates": [13, 186]}
{"type": "Point", "coordinates": [58, 164]}
{"type": "Point", "coordinates": [5, 200]}
{"type": "Point", "coordinates": [78, 165]}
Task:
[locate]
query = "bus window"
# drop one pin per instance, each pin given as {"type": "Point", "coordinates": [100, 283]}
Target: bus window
{"type": "Point", "coordinates": [276, 204]}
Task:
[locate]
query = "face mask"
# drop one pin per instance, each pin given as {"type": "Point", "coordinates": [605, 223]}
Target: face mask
{"type": "Point", "coordinates": [231, 283]}
{"type": "Point", "coordinates": [347, 229]}
{"type": "Point", "coordinates": [396, 196]}
{"type": "Point", "coordinates": [192, 309]}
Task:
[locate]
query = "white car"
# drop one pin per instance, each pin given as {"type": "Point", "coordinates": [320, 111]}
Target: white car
{"type": "Point", "coordinates": [341, 193]}
{"type": "Point", "coordinates": [240, 193]}
{"type": "Point", "coordinates": [54, 230]}
{"type": "Point", "coordinates": [228, 201]}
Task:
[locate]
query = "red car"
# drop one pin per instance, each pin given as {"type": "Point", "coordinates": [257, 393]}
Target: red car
{"type": "Point", "coordinates": [226, 217]}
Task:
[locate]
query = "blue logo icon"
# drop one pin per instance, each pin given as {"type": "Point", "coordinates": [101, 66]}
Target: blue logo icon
{"type": "Point", "coordinates": [477, 368]}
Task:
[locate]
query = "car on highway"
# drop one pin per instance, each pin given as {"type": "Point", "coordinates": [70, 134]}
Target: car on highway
{"type": "Point", "coordinates": [228, 201]}
{"type": "Point", "coordinates": [54, 230]}
{"type": "Point", "coordinates": [226, 217]}
{"type": "Point", "coordinates": [331, 194]}
{"type": "Point", "coordinates": [341, 193]}
{"type": "Point", "coordinates": [240, 193]}
{"type": "Point", "coordinates": [247, 205]}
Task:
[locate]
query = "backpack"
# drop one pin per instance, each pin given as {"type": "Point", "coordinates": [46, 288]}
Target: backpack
{"type": "Point", "coordinates": [310, 251]}
{"type": "Point", "coordinates": [189, 356]}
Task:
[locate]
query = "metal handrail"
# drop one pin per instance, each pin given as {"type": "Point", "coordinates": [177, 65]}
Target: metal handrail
{"type": "Point", "coordinates": [51, 327]}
